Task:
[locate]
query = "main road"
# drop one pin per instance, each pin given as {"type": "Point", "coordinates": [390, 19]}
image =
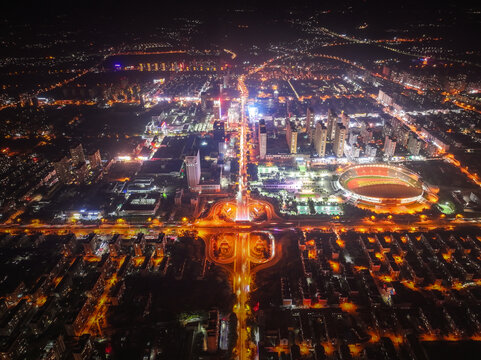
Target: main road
{"type": "Point", "coordinates": [242, 287]}
{"type": "Point", "coordinates": [242, 265]}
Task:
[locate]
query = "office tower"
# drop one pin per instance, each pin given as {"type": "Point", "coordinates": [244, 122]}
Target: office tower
{"type": "Point", "coordinates": [217, 109]}
{"type": "Point", "coordinates": [62, 168]}
{"type": "Point", "coordinates": [320, 139]}
{"type": "Point", "coordinates": [77, 154]}
{"type": "Point", "coordinates": [219, 136]}
{"type": "Point", "coordinates": [339, 139]}
{"type": "Point", "coordinates": [219, 131]}
{"type": "Point", "coordinates": [331, 124]}
{"type": "Point", "coordinates": [192, 164]}
{"type": "Point", "coordinates": [213, 332]}
{"type": "Point", "coordinates": [389, 146]}
{"type": "Point", "coordinates": [262, 139]}
{"type": "Point", "coordinates": [95, 160]}
{"type": "Point", "coordinates": [309, 122]}
{"type": "Point", "coordinates": [291, 136]}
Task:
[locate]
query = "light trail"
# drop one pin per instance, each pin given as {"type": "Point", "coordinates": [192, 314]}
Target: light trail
{"type": "Point", "coordinates": [241, 266]}
{"type": "Point", "coordinates": [232, 54]}
{"type": "Point", "coordinates": [294, 90]}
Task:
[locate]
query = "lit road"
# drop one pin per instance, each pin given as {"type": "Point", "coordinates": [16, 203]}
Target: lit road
{"type": "Point", "coordinates": [218, 226]}
{"type": "Point", "coordinates": [242, 201]}
{"type": "Point", "coordinates": [241, 265]}
{"type": "Point", "coordinates": [241, 288]}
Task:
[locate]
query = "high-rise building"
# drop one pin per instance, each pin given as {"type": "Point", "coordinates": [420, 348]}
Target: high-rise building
{"type": "Point", "coordinates": [233, 115]}
{"type": "Point", "coordinates": [95, 160]}
{"type": "Point", "coordinates": [339, 140]}
{"type": "Point", "coordinates": [387, 130]}
{"type": "Point", "coordinates": [386, 71]}
{"type": "Point", "coordinates": [80, 172]}
{"type": "Point", "coordinates": [309, 122]}
{"type": "Point", "coordinates": [389, 146]}
{"type": "Point", "coordinates": [262, 139]}
{"type": "Point", "coordinates": [192, 165]}
{"type": "Point", "coordinates": [414, 146]}
{"type": "Point", "coordinates": [371, 150]}
{"type": "Point", "coordinates": [213, 331]}
{"type": "Point", "coordinates": [396, 126]}
{"type": "Point", "coordinates": [219, 135]}
{"type": "Point", "coordinates": [226, 80]}
{"type": "Point", "coordinates": [366, 134]}
{"type": "Point", "coordinates": [345, 120]}
{"type": "Point", "coordinates": [353, 139]}
{"type": "Point", "coordinates": [384, 98]}
{"type": "Point", "coordinates": [291, 136]}
{"type": "Point", "coordinates": [217, 109]}
{"type": "Point", "coordinates": [331, 124]}
{"type": "Point", "coordinates": [320, 139]}
{"type": "Point", "coordinates": [62, 168]}
{"type": "Point", "coordinates": [77, 154]}
{"type": "Point", "coordinates": [219, 131]}
{"type": "Point", "coordinates": [403, 136]}
{"type": "Point", "coordinates": [203, 101]}
{"type": "Point", "coordinates": [352, 151]}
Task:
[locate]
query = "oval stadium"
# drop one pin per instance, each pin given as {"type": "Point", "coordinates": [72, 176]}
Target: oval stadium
{"type": "Point", "coordinates": [381, 185]}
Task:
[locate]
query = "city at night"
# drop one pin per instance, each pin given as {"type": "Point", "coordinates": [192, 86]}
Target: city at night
{"type": "Point", "coordinates": [240, 181]}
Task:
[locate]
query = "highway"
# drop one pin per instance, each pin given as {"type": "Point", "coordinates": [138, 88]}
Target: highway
{"type": "Point", "coordinates": [275, 224]}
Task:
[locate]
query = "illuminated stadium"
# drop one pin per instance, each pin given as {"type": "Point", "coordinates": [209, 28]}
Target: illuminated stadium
{"type": "Point", "coordinates": [381, 186]}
